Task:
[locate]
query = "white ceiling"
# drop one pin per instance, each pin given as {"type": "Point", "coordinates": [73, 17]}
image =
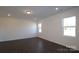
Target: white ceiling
{"type": "Point", "coordinates": [39, 12]}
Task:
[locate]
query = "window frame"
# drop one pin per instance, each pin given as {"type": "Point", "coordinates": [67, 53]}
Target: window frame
{"type": "Point", "coordinates": [66, 27]}
{"type": "Point", "coordinates": [39, 27]}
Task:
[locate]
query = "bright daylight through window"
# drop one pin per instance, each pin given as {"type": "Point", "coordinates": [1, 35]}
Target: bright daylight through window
{"type": "Point", "coordinates": [69, 25]}
{"type": "Point", "coordinates": [40, 27]}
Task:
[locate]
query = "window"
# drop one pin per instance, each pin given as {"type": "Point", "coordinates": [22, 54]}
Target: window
{"type": "Point", "coordinates": [69, 26]}
{"type": "Point", "coordinates": [39, 27]}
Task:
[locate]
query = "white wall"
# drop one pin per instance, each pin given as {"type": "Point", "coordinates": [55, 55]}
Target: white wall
{"type": "Point", "coordinates": [52, 29]}
{"type": "Point", "coordinates": [12, 28]}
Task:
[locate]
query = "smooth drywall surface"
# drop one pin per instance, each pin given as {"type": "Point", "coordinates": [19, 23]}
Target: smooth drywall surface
{"type": "Point", "coordinates": [52, 29]}
{"type": "Point", "coordinates": [12, 28]}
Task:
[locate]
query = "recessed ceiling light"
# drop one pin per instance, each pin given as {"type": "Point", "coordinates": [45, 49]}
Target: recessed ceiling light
{"type": "Point", "coordinates": [9, 14]}
{"type": "Point", "coordinates": [28, 12]}
{"type": "Point", "coordinates": [56, 8]}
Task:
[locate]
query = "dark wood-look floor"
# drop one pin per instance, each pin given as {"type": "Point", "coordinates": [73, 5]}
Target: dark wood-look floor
{"type": "Point", "coordinates": [32, 45]}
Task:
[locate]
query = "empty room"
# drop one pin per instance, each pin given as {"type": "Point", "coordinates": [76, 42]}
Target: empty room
{"type": "Point", "coordinates": [39, 29]}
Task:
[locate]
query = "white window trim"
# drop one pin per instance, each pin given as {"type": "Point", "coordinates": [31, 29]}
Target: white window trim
{"type": "Point", "coordinates": [69, 26]}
